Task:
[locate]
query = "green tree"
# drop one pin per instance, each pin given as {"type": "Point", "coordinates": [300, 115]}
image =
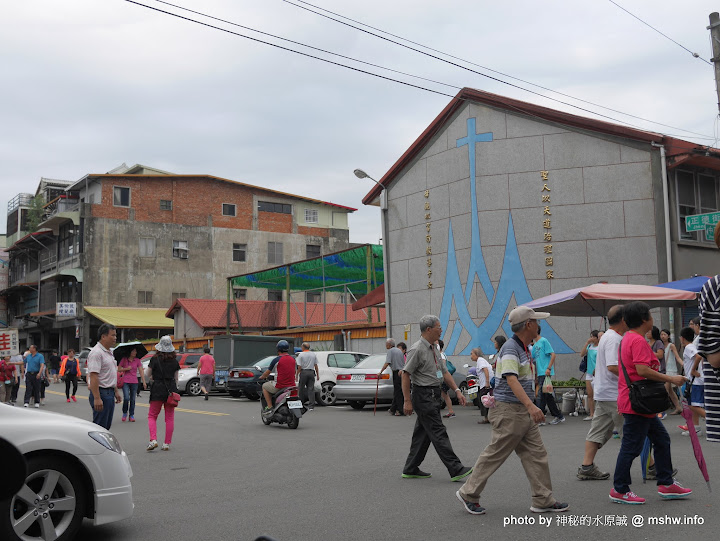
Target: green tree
{"type": "Point", "coordinates": [35, 213]}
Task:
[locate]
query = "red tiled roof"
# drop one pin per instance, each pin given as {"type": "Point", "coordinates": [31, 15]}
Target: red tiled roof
{"type": "Point", "coordinates": [678, 150]}
{"type": "Point", "coordinates": [211, 313]}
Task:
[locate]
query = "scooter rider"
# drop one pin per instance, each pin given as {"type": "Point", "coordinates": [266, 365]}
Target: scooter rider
{"type": "Point", "coordinates": [285, 373]}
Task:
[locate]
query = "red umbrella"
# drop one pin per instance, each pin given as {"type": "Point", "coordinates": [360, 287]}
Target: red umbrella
{"type": "Point", "coordinates": [697, 450]}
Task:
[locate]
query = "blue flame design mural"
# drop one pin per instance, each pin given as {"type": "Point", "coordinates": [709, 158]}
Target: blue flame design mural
{"type": "Point", "coordinates": [512, 280]}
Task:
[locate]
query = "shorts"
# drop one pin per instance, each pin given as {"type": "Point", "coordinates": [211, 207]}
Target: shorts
{"type": "Point", "coordinates": [206, 380]}
{"type": "Point", "coordinates": [269, 386]}
{"type": "Point", "coordinates": [53, 371]}
{"type": "Point", "coordinates": [603, 422]}
{"type": "Point", "coordinates": [697, 396]}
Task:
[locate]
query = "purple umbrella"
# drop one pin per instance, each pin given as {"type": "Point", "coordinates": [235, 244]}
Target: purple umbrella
{"type": "Point", "coordinates": [697, 450]}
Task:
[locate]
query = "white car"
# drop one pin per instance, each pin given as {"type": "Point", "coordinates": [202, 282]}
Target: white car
{"type": "Point", "coordinates": [75, 470]}
{"type": "Point", "coordinates": [330, 363]}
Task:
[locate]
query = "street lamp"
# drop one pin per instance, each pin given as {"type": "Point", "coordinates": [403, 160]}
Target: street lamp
{"type": "Point", "coordinates": [359, 173]}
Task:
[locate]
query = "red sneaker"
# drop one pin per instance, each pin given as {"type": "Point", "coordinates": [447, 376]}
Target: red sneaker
{"type": "Point", "coordinates": [68, 400]}
{"type": "Point", "coordinates": [628, 497]}
{"type": "Point", "coordinates": [684, 428]}
{"type": "Point", "coordinates": [73, 398]}
{"type": "Point", "coordinates": [674, 491]}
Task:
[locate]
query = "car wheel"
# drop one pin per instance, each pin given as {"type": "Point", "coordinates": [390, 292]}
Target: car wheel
{"type": "Point", "coordinates": [252, 396]}
{"type": "Point", "coordinates": [193, 387]}
{"type": "Point", "coordinates": [293, 422]}
{"type": "Point", "coordinates": [357, 404]}
{"type": "Point", "coordinates": [327, 394]}
{"type": "Point", "coordinates": [235, 394]}
{"type": "Point", "coordinates": [50, 505]}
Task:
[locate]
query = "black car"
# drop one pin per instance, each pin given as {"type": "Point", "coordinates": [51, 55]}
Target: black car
{"type": "Point", "coordinates": [245, 379]}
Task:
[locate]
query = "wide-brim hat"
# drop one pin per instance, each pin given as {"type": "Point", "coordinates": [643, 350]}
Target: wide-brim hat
{"type": "Point", "coordinates": [165, 345]}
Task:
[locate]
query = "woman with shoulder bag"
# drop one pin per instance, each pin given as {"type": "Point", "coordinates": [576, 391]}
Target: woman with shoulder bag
{"type": "Point", "coordinates": [128, 369]}
{"type": "Point", "coordinates": [163, 370]}
{"type": "Point", "coordinates": [638, 367]}
{"type": "Point", "coordinates": [69, 371]}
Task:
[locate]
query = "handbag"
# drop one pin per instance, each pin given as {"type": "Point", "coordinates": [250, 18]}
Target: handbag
{"type": "Point", "coordinates": [646, 396]}
{"type": "Point", "coordinates": [450, 367]}
{"type": "Point", "coordinates": [173, 398]}
{"type": "Point", "coordinates": [583, 364]}
{"type": "Point", "coordinates": [688, 390]}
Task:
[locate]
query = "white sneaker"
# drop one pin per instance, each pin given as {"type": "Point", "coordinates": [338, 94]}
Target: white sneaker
{"type": "Point", "coordinates": [588, 418]}
{"type": "Point", "coordinates": [25, 405]}
{"type": "Point", "coordinates": [165, 447]}
{"type": "Point", "coordinates": [698, 431]}
{"type": "Point", "coordinates": [37, 405]}
{"type": "Point", "coordinates": [152, 445]}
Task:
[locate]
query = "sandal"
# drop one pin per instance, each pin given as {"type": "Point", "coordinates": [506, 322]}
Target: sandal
{"type": "Point", "coordinates": [449, 415]}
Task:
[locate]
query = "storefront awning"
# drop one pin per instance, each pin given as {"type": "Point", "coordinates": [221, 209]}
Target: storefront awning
{"type": "Point", "coordinates": [132, 318]}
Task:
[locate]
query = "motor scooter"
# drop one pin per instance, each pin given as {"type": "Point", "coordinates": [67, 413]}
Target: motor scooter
{"type": "Point", "coordinates": [287, 408]}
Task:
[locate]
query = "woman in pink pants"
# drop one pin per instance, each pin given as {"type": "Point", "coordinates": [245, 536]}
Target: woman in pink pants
{"type": "Point", "coordinates": [163, 370]}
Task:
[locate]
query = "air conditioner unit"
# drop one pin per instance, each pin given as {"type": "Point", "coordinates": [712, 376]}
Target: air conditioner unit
{"type": "Point", "coordinates": [182, 254]}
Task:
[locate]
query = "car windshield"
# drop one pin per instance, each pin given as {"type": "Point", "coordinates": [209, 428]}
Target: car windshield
{"type": "Point", "coordinates": [373, 361]}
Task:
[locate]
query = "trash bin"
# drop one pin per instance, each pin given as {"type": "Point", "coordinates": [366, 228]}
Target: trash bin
{"type": "Point", "coordinates": [568, 402]}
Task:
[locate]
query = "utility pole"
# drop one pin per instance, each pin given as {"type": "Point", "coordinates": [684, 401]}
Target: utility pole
{"type": "Point", "coordinates": [715, 40]}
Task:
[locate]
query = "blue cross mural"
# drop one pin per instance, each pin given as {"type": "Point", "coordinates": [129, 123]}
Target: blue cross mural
{"type": "Point", "coordinates": [512, 279]}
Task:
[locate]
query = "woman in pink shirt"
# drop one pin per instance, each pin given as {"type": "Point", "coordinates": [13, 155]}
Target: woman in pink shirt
{"type": "Point", "coordinates": [129, 367]}
{"type": "Point", "coordinates": [638, 360]}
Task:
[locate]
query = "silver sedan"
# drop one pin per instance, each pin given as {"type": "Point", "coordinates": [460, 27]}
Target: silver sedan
{"type": "Point", "coordinates": [358, 385]}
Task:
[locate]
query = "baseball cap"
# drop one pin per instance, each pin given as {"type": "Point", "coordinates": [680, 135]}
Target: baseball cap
{"type": "Point", "coordinates": [523, 313]}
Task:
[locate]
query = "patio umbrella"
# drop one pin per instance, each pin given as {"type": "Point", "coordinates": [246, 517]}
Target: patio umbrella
{"type": "Point", "coordinates": [693, 284]}
{"type": "Point", "coordinates": [596, 299]}
{"type": "Point", "coordinates": [123, 350]}
{"type": "Point", "coordinates": [697, 449]}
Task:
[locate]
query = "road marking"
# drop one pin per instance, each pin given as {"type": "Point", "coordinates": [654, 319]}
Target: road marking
{"type": "Point", "coordinates": [200, 412]}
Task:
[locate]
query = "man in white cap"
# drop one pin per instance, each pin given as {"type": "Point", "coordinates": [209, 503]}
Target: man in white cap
{"type": "Point", "coordinates": [514, 421]}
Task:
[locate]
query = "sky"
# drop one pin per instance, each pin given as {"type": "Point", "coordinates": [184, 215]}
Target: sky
{"type": "Point", "coordinates": [89, 85]}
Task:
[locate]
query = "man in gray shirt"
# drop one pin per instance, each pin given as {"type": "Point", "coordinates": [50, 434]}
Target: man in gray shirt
{"type": "Point", "coordinates": [307, 369]}
{"type": "Point", "coordinates": [396, 362]}
{"type": "Point", "coordinates": [427, 369]}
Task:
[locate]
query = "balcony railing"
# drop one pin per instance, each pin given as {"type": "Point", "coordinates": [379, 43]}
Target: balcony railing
{"type": "Point", "coordinates": [63, 203]}
{"type": "Point", "coordinates": [20, 200]}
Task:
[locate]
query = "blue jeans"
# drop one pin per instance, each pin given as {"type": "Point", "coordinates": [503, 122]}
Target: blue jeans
{"type": "Point", "coordinates": [129, 394]}
{"type": "Point", "coordinates": [635, 429]}
{"type": "Point", "coordinates": [104, 417]}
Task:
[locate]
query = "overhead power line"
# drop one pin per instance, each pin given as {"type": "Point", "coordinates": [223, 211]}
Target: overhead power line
{"type": "Point", "coordinates": [368, 63]}
{"type": "Point", "coordinates": [287, 48]}
{"type": "Point", "coordinates": [696, 55]}
{"type": "Point", "coordinates": [293, 3]}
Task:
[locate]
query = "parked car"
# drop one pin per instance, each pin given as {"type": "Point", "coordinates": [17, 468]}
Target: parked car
{"type": "Point", "coordinates": [82, 363]}
{"type": "Point", "coordinates": [330, 363]}
{"type": "Point", "coordinates": [244, 380]}
{"type": "Point", "coordinates": [75, 470]}
{"type": "Point", "coordinates": [185, 360]}
{"type": "Point", "coordinates": [358, 384]}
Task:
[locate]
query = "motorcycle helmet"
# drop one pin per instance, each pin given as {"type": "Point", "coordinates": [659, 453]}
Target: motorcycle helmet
{"type": "Point", "coordinates": [283, 346]}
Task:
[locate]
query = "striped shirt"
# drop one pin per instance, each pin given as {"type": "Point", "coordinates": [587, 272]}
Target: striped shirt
{"type": "Point", "coordinates": [514, 359]}
{"type": "Point", "coordinates": [709, 337]}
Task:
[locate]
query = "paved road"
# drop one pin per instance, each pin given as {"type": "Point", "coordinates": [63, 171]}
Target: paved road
{"type": "Point", "coordinates": [337, 476]}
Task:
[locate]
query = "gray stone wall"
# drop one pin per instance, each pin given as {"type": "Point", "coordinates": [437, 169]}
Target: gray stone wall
{"type": "Point", "coordinates": [603, 221]}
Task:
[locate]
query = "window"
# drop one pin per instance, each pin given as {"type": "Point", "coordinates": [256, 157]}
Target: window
{"type": "Point", "coordinates": [312, 250]}
{"type": "Point", "coordinates": [121, 196]}
{"type": "Point", "coordinates": [312, 296]}
{"type": "Point", "coordinates": [228, 209]}
{"type": "Point", "coordinates": [165, 204]}
{"type": "Point", "coordinates": [266, 206]}
{"type": "Point", "coordinates": [147, 247]}
{"type": "Point", "coordinates": [275, 253]}
{"type": "Point", "coordinates": [239, 252]}
{"type": "Point", "coordinates": [311, 216]}
{"type": "Point", "coordinates": [180, 249]}
{"type": "Point", "coordinates": [192, 360]}
{"type": "Point", "coordinates": [341, 360]}
{"type": "Point", "coordinates": [240, 294]}
{"type": "Point", "coordinates": [274, 295]}
{"type": "Point", "coordinates": [697, 193]}
{"type": "Point", "coordinates": [144, 297]}
{"type": "Point", "coordinates": [176, 296]}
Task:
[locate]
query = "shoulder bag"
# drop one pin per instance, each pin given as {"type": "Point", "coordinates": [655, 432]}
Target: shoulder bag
{"type": "Point", "coordinates": [120, 376]}
{"type": "Point", "coordinates": [173, 398]}
{"type": "Point", "coordinates": [646, 396]}
{"type": "Point", "coordinates": [450, 367]}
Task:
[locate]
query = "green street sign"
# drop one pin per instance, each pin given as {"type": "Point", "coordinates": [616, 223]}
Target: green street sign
{"type": "Point", "coordinates": [700, 222]}
{"type": "Point", "coordinates": [710, 232]}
